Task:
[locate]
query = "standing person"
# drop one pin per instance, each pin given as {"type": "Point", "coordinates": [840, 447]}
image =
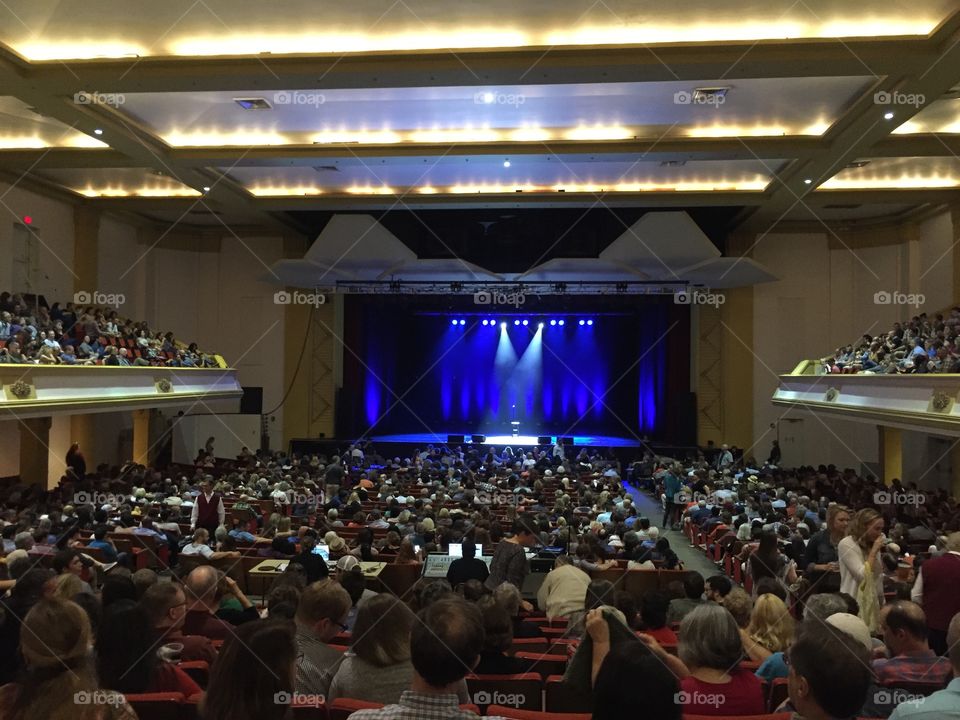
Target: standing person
{"type": "Point", "coordinates": [563, 590]}
{"type": "Point", "coordinates": [76, 461]}
{"type": "Point", "coordinates": [671, 488]}
{"type": "Point", "coordinates": [821, 557]}
{"type": "Point", "coordinates": [859, 556]}
{"type": "Point", "coordinates": [774, 458]}
{"type": "Point", "coordinates": [936, 591]}
{"type": "Point", "coordinates": [208, 511]}
{"type": "Point", "coordinates": [509, 563]}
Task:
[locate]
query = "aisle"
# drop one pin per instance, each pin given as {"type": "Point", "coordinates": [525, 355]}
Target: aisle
{"type": "Point", "coordinates": [692, 558]}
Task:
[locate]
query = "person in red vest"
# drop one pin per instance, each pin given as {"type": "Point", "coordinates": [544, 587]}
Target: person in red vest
{"type": "Point", "coordinates": [208, 511]}
{"type": "Point", "coordinates": [936, 591]}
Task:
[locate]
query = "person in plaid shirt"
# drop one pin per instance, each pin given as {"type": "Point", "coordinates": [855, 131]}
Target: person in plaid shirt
{"type": "Point", "coordinates": [904, 627]}
{"type": "Point", "coordinates": [445, 645]}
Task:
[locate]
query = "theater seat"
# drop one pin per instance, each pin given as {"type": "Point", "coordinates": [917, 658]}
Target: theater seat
{"type": "Point", "coordinates": [544, 664]}
{"type": "Point", "coordinates": [916, 688]}
{"type": "Point", "coordinates": [158, 706]}
{"type": "Point", "coordinates": [515, 714]}
{"type": "Point", "coordinates": [522, 691]}
{"type": "Point", "coordinates": [308, 711]}
{"type": "Point", "coordinates": [559, 697]}
{"type": "Point", "coordinates": [765, 716]}
{"type": "Point", "coordinates": [198, 670]}
{"type": "Point", "coordinates": [778, 692]}
{"type": "Point", "coordinates": [342, 708]}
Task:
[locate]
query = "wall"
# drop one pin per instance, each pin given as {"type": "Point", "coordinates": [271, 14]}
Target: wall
{"type": "Point", "coordinates": [825, 297]}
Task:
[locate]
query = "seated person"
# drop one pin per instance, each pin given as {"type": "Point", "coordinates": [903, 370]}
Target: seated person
{"type": "Point", "coordinates": [498, 637]}
{"type": "Point", "coordinates": [910, 658]}
{"type": "Point", "coordinates": [945, 703]}
{"type": "Point", "coordinates": [693, 587]}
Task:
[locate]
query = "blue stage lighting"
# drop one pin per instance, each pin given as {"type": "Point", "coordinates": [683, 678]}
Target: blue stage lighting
{"type": "Point", "coordinates": [492, 323]}
{"type": "Point", "coordinates": [516, 322]}
{"type": "Point", "coordinates": [484, 323]}
{"type": "Point", "coordinates": [503, 326]}
{"type": "Point", "coordinates": [583, 322]}
{"type": "Point", "coordinates": [553, 322]}
{"type": "Point", "coordinates": [560, 322]}
{"type": "Point", "coordinates": [526, 322]}
{"type": "Point", "coordinates": [453, 322]}
{"type": "Point", "coordinates": [464, 322]}
{"type": "Point", "coordinates": [589, 322]}
{"type": "Point", "coordinates": [540, 325]}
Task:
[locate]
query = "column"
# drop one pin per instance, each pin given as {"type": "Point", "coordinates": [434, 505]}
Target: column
{"type": "Point", "coordinates": [34, 450]}
{"type": "Point", "coordinates": [141, 437]}
{"type": "Point", "coordinates": [891, 453]}
{"type": "Point", "coordinates": [86, 233]}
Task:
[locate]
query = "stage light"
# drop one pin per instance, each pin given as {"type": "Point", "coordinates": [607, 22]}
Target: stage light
{"type": "Point", "coordinates": [506, 163]}
{"type": "Point", "coordinates": [516, 322]}
{"type": "Point", "coordinates": [463, 322]}
{"type": "Point", "coordinates": [503, 326]}
{"type": "Point", "coordinates": [560, 322]}
{"type": "Point", "coordinates": [583, 322]}
{"type": "Point", "coordinates": [526, 322]}
{"type": "Point", "coordinates": [589, 322]}
{"type": "Point", "coordinates": [453, 322]}
{"type": "Point", "coordinates": [484, 323]}
{"type": "Point", "coordinates": [540, 325]}
{"type": "Point", "coordinates": [553, 322]}
{"type": "Point", "coordinates": [491, 322]}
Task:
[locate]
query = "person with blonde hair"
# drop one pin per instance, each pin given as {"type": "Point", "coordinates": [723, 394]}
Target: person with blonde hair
{"type": "Point", "coordinates": [59, 682]}
{"type": "Point", "coordinates": [861, 572]}
{"type": "Point", "coordinates": [68, 586]}
{"type": "Point", "coordinates": [771, 628]}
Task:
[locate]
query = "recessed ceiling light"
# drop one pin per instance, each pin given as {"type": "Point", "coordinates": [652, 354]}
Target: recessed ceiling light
{"type": "Point", "coordinates": [489, 97]}
{"type": "Point", "coordinates": [808, 181]}
{"type": "Point", "coordinates": [206, 188]}
{"type": "Point", "coordinates": [888, 116]}
{"type": "Point", "coordinates": [506, 163]}
{"type": "Point", "coordinates": [98, 131]}
{"type": "Point", "coordinates": [253, 103]}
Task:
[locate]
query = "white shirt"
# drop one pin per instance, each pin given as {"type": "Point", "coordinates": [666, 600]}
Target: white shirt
{"type": "Point", "coordinates": [852, 560]}
{"type": "Point", "coordinates": [197, 549]}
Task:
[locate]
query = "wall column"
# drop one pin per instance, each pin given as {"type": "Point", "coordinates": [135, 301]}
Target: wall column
{"type": "Point", "coordinates": [86, 235]}
{"type": "Point", "coordinates": [141, 437]}
{"type": "Point", "coordinates": [34, 450]}
{"type": "Point", "coordinates": [891, 453]}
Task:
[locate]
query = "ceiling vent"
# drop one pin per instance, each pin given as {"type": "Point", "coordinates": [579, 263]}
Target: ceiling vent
{"type": "Point", "coordinates": [673, 163]}
{"type": "Point", "coordinates": [326, 168]}
{"type": "Point", "coordinates": [857, 164]}
{"type": "Point", "coordinates": [253, 103]}
{"type": "Point", "coordinates": [710, 94]}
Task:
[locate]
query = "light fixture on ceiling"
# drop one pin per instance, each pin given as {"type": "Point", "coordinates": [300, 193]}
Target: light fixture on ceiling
{"type": "Point", "coordinates": [253, 103]}
{"type": "Point", "coordinates": [888, 116]}
{"type": "Point", "coordinates": [206, 188]}
{"type": "Point", "coordinates": [808, 181]}
{"type": "Point", "coordinates": [98, 131]}
{"type": "Point", "coordinates": [506, 163]}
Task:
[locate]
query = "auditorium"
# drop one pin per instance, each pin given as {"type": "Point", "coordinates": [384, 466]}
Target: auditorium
{"type": "Point", "coordinates": [420, 360]}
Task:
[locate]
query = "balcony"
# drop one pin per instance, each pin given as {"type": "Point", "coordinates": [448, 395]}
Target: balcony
{"type": "Point", "coordinates": [43, 390]}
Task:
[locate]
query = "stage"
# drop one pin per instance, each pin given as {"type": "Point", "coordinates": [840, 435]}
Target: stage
{"type": "Point", "coordinates": [514, 441]}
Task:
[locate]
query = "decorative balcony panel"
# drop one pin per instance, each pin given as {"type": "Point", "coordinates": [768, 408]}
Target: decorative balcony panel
{"type": "Point", "coordinates": [38, 390]}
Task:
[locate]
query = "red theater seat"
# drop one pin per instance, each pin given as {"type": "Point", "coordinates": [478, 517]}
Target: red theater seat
{"type": "Point", "coordinates": [514, 714]}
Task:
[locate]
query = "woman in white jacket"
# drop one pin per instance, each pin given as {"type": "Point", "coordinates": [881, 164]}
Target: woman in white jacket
{"type": "Point", "coordinates": [859, 549]}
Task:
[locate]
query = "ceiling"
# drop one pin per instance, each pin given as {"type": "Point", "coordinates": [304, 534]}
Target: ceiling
{"type": "Point", "coordinates": [746, 114]}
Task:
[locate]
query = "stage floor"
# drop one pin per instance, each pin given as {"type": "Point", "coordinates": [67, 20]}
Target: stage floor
{"type": "Point", "coordinates": [511, 440]}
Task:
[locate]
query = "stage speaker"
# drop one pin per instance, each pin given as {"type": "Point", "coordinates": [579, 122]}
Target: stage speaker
{"type": "Point", "coordinates": [251, 402]}
{"type": "Point", "coordinates": [478, 439]}
{"type": "Point", "coordinates": [455, 439]}
{"type": "Point", "coordinates": [566, 441]}
{"type": "Point", "coordinates": [544, 440]}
